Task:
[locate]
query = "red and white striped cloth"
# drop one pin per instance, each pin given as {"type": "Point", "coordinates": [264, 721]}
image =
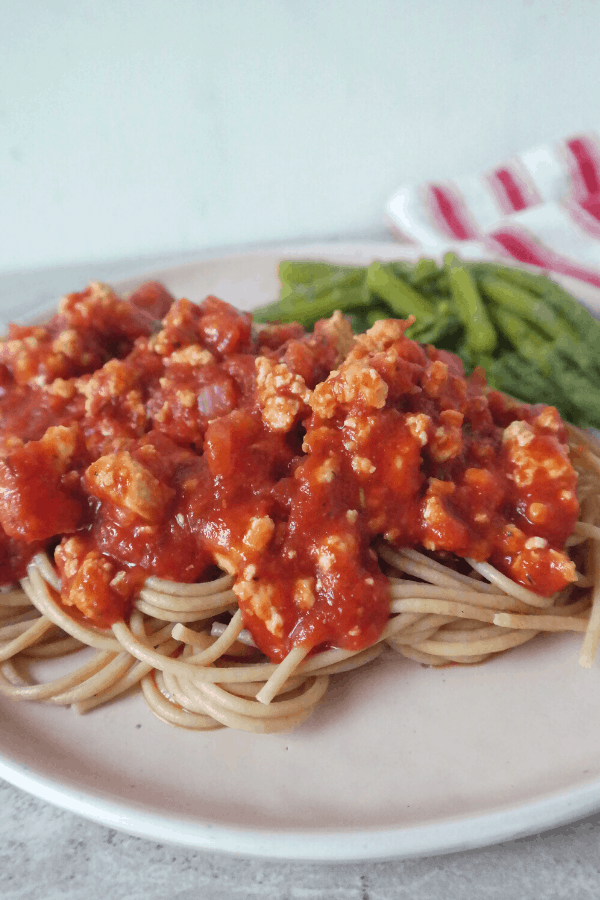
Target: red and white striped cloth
{"type": "Point", "coordinates": [542, 207]}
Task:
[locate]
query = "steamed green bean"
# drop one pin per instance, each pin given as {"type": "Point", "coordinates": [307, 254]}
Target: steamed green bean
{"type": "Point", "coordinates": [480, 334]}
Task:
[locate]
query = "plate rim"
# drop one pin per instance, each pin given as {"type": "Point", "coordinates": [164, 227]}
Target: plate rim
{"type": "Point", "coordinates": [448, 835]}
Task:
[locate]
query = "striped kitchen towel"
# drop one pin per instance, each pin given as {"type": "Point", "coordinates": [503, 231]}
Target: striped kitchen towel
{"type": "Point", "coordinates": [542, 207]}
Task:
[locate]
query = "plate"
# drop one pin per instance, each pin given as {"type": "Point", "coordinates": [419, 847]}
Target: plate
{"type": "Point", "coordinates": [398, 760]}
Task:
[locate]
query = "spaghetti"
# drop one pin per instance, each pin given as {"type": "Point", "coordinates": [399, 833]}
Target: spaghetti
{"type": "Point", "coordinates": [198, 677]}
{"type": "Point", "coordinates": [254, 647]}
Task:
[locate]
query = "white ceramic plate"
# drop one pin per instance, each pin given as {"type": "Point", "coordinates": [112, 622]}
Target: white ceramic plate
{"type": "Point", "coordinates": [398, 760]}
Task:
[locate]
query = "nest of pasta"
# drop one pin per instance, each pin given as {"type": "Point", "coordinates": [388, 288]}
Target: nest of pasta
{"type": "Point", "coordinates": [383, 519]}
{"type": "Point", "coordinates": [197, 667]}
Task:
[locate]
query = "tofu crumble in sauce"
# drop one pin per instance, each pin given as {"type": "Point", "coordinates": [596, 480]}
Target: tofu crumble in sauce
{"type": "Point", "coordinates": [148, 436]}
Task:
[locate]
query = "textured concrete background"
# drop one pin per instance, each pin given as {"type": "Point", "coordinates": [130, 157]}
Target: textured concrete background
{"type": "Point", "coordinates": [50, 854]}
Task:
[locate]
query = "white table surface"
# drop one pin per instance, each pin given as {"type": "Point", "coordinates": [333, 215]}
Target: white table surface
{"type": "Point", "coordinates": [47, 854]}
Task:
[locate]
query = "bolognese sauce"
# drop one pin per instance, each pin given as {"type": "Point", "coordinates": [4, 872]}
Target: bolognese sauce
{"type": "Point", "coordinates": [148, 436]}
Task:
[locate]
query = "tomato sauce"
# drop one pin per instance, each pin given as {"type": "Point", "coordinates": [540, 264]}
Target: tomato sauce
{"type": "Point", "coordinates": [143, 436]}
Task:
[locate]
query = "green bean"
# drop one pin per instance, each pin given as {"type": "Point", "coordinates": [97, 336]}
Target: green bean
{"type": "Point", "coordinates": [343, 278]}
{"type": "Point", "coordinates": [402, 269]}
{"type": "Point", "coordinates": [572, 311]}
{"type": "Point", "coordinates": [296, 271]}
{"type": "Point", "coordinates": [525, 381]}
{"type": "Point", "coordinates": [442, 284]}
{"type": "Point", "coordinates": [548, 299]}
{"type": "Point", "coordinates": [524, 304]}
{"type": "Point", "coordinates": [582, 396]}
{"type": "Point", "coordinates": [309, 303]}
{"type": "Point", "coordinates": [424, 270]}
{"type": "Point", "coordinates": [528, 343]}
{"type": "Point", "coordinates": [555, 296]}
{"type": "Point", "coordinates": [552, 294]}
{"type": "Point", "coordinates": [358, 320]}
{"type": "Point", "coordinates": [340, 278]}
{"type": "Point", "coordinates": [295, 308]}
{"type": "Point", "coordinates": [402, 299]}
{"type": "Point", "coordinates": [481, 336]}
{"type": "Point", "coordinates": [578, 354]}
{"type": "Point", "coordinates": [529, 281]}
{"type": "Point", "coordinates": [375, 314]}
{"type": "Point", "coordinates": [444, 333]}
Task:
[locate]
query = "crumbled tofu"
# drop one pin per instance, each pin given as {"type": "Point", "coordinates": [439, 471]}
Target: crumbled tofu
{"type": "Point", "coordinates": [61, 388]}
{"type": "Point", "coordinates": [518, 431]}
{"type": "Point", "coordinates": [119, 582]}
{"type": "Point", "coordinates": [327, 471]}
{"type": "Point", "coordinates": [562, 564]}
{"type": "Point", "coordinates": [418, 425]}
{"type": "Point", "coordinates": [525, 464]}
{"type": "Point", "coordinates": [334, 545]}
{"type": "Point", "coordinates": [259, 533]}
{"type": "Point", "coordinates": [69, 343]}
{"type": "Point", "coordinates": [362, 465]}
{"type": "Point", "coordinates": [260, 596]}
{"type": "Point", "coordinates": [186, 398]}
{"type": "Point", "coordinates": [113, 380]}
{"type": "Point", "coordinates": [126, 483]}
{"type": "Point", "coordinates": [435, 378]}
{"type": "Point", "coordinates": [93, 577]}
{"type": "Point", "coordinates": [434, 512]}
{"type": "Point", "coordinates": [61, 442]}
{"type": "Point", "coordinates": [446, 443]}
{"type": "Point", "coordinates": [281, 394]}
{"type": "Point", "coordinates": [325, 559]}
{"type": "Point", "coordinates": [340, 330]}
{"type": "Point", "coordinates": [98, 293]}
{"type": "Point", "coordinates": [380, 336]}
{"type": "Point", "coordinates": [194, 355]}
{"type": "Point", "coordinates": [361, 426]}
{"type": "Point", "coordinates": [355, 381]}
{"type": "Point", "coordinates": [535, 543]}
{"type": "Point", "coordinates": [136, 408]}
{"type": "Point", "coordinates": [304, 596]}
{"type": "Point", "coordinates": [163, 414]}
{"type": "Point", "coordinates": [72, 550]}
{"type": "Point", "coordinates": [436, 516]}
{"type": "Point", "coordinates": [549, 419]}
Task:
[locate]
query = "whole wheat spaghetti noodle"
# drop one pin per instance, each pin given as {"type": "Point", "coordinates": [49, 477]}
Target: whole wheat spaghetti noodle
{"type": "Point", "coordinates": [196, 674]}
